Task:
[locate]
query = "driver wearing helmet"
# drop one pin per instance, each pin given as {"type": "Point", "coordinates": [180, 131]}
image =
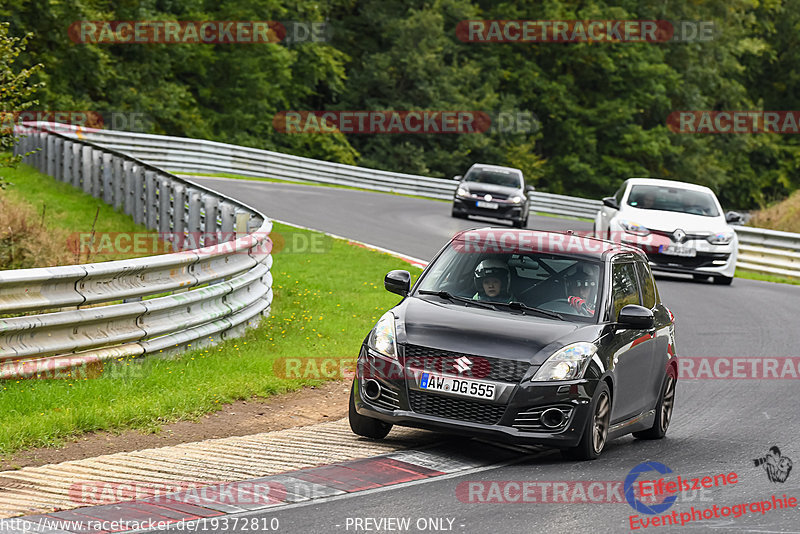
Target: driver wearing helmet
{"type": "Point", "coordinates": [493, 281]}
{"type": "Point", "coordinates": [582, 288]}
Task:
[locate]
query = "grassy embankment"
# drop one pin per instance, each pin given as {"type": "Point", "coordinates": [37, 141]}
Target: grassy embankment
{"type": "Point", "coordinates": [327, 295]}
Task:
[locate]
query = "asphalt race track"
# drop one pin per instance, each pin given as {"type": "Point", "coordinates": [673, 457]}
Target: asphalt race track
{"type": "Point", "coordinates": [719, 425]}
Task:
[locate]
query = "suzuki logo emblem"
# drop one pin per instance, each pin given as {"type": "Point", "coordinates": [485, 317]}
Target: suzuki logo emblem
{"type": "Point", "coordinates": [462, 364]}
{"type": "Point", "coordinates": [679, 236]}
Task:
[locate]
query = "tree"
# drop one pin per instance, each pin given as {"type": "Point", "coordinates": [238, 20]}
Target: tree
{"type": "Point", "coordinates": [15, 94]}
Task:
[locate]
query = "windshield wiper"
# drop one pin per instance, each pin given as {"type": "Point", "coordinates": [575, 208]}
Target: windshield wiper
{"type": "Point", "coordinates": [514, 305]}
{"type": "Point", "coordinates": [449, 296]}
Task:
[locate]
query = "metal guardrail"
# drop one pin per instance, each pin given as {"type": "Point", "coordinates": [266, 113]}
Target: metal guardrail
{"type": "Point", "coordinates": [184, 155]}
{"type": "Point", "coordinates": [769, 251]}
{"type": "Point", "coordinates": [198, 296]}
{"type": "Point", "coordinates": [761, 250]}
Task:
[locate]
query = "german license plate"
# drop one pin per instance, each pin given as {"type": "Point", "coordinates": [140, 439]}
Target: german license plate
{"type": "Point", "coordinates": [458, 386]}
{"type": "Point", "coordinates": [676, 250]}
{"type": "Point", "coordinates": [488, 205]}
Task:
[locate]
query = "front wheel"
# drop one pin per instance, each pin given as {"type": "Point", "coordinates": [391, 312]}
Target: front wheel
{"type": "Point", "coordinates": [663, 411]}
{"type": "Point", "coordinates": [363, 425]}
{"type": "Point", "coordinates": [595, 435]}
{"type": "Point", "coordinates": [723, 280]}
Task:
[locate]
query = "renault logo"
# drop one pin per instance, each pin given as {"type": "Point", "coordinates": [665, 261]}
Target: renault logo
{"type": "Point", "coordinates": [462, 364]}
{"type": "Point", "coordinates": [679, 236]}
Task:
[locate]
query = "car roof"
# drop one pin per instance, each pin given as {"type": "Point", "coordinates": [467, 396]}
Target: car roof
{"type": "Point", "coordinates": [566, 243]}
{"type": "Point", "coordinates": [668, 183]}
{"type": "Point", "coordinates": [486, 166]}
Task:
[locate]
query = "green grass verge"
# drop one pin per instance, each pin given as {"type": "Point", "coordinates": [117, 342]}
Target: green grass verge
{"type": "Point", "coordinates": [751, 275]}
{"type": "Point", "coordinates": [324, 305]}
{"type": "Point", "coordinates": [66, 208]}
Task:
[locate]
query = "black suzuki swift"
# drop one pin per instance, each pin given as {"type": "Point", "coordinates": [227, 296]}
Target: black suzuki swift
{"type": "Point", "coordinates": [532, 337]}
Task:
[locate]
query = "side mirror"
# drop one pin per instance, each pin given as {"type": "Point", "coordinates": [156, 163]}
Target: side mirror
{"type": "Point", "coordinates": [611, 202]}
{"type": "Point", "coordinates": [530, 189]}
{"type": "Point", "coordinates": [635, 316]}
{"type": "Point", "coordinates": [733, 217]}
{"type": "Point", "coordinates": [398, 282]}
{"type": "Point", "coordinates": [457, 177]}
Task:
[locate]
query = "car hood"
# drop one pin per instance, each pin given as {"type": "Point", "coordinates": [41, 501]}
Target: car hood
{"type": "Point", "coordinates": [478, 189]}
{"type": "Point", "coordinates": [499, 334]}
{"type": "Point", "coordinates": [669, 221]}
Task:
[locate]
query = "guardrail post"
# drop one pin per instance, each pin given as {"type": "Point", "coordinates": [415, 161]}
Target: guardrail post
{"type": "Point", "coordinates": [195, 205]}
{"type": "Point", "coordinates": [88, 164]}
{"type": "Point", "coordinates": [77, 164]}
{"type": "Point", "coordinates": [165, 209]}
{"type": "Point", "coordinates": [227, 214]}
{"type": "Point", "coordinates": [138, 194]}
{"type": "Point", "coordinates": [211, 204]}
{"type": "Point", "coordinates": [37, 145]}
{"type": "Point", "coordinates": [58, 163]}
{"type": "Point", "coordinates": [118, 181]}
{"type": "Point", "coordinates": [242, 219]}
{"type": "Point", "coordinates": [125, 187]}
{"type": "Point", "coordinates": [179, 211]}
{"type": "Point", "coordinates": [66, 175]}
{"type": "Point", "coordinates": [97, 173]}
{"type": "Point", "coordinates": [151, 203]}
{"type": "Point", "coordinates": [51, 155]}
{"type": "Point", "coordinates": [108, 178]}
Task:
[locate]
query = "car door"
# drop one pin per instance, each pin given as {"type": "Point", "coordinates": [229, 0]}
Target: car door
{"type": "Point", "coordinates": [631, 348]}
{"type": "Point", "coordinates": [662, 332]}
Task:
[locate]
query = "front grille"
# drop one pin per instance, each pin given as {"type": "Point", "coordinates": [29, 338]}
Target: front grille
{"type": "Point", "coordinates": [463, 410]}
{"type": "Point", "coordinates": [444, 361]}
{"type": "Point", "coordinates": [531, 420]}
{"type": "Point", "coordinates": [703, 259]}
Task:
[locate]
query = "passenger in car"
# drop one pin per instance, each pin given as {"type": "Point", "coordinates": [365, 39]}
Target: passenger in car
{"type": "Point", "coordinates": [582, 288]}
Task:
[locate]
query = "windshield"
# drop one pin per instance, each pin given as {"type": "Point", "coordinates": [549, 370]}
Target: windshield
{"type": "Point", "coordinates": [654, 197]}
{"type": "Point", "coordinates": [550, 282]}
{"type": "Point", "coordinates": [507, 179]}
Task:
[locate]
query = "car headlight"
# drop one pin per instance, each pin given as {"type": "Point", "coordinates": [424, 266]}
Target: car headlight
{"type": "Point", "coordinates": [516, 200]}
{"type": "Point", "coordinates": [462, 192]}
{"type": "Point", "coordinates": [383, 336]}
{"type": "Point", "coordinates": [567, 363]}
{"type": "Point", "coordinates": [633, 228]}
{"type": "Point", "coordinates": [722, 238]}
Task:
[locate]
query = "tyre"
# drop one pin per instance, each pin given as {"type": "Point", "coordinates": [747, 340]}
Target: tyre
{"type": "Point", "coordinates": [595, 435]}
{"type": "Point", "coordinates": [457, 215]}
{"type": "Point", "coordinates": [723, 280]}
{"type": "Point", "coordinates": [363, 425]}
{"type": "Point", "coordinates": [663, 411]}
{"type": "Point", "coordinates": [519, 223]}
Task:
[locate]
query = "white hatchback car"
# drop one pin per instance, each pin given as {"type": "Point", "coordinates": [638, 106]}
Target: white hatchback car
{"type": "Point", "coordinates": [679, 225]}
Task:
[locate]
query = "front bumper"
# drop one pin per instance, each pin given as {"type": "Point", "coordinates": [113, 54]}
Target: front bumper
{"type": "Point", "coordinates": [465, 206]}
{"type": "Point", "coordinates": [512, 418]}
{"type": "Point", "coordinates": [711, 260]}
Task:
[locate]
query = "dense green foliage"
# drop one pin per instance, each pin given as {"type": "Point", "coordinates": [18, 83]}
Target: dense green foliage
{"type": "Point", "coordinates": [602, 107]}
